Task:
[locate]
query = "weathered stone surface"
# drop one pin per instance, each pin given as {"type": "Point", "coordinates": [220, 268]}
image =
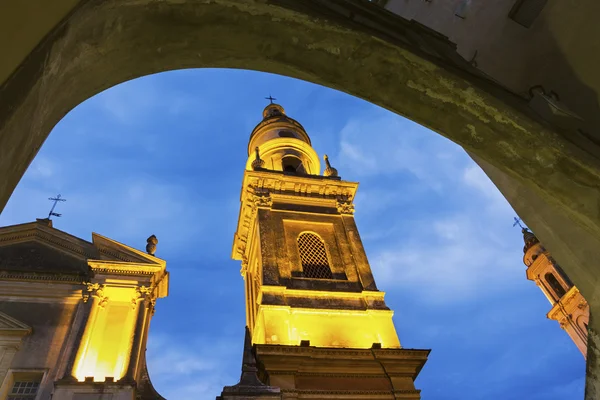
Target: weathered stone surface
{"type": "Point", "coordinates": [346, 45]}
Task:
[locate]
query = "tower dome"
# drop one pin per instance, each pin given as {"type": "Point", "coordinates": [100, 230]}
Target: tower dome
{"type": "Point", "coordinates": [282, 143]}
{"type": "Point", "coordinates": [529, 238]}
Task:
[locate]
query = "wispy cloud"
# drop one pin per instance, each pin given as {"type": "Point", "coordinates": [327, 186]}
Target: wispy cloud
{"type": "Point", "coordinates": [200, 367]}
{"type": "Point", "coordinates": [447, 251]}
{"type": "Point", "coordinates": [384, 144]}
{"type": "Point", "coordinates": [452, 260]}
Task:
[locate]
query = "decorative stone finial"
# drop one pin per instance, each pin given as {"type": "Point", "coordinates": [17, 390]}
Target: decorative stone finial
{"type": "Point", "coordinates": [151, 246]}
{"type": "Point", "coordinates": [257, 163]}
{"type": "Point", "coordinates": [529, 238]}
{"type": "Point", "coordinates": [329, 171]}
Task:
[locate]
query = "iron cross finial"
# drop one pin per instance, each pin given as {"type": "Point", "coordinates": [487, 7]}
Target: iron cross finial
{"type": "Point", "coordinates": [55, 200]}
{"type": "Point", "coordinates": [518, 222]}
{"type": "Point", "coordinates": [270, 98]}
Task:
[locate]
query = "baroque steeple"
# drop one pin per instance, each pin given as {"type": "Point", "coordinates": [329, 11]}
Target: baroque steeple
{"type": "Point", "coordinates": [529, 238]}
{"type": "Point", "coordinates": [282, 143]}
{"type": "Point", "coordinates": [310, 293]}
{"type": "Point", "coordinates": [569, 308]}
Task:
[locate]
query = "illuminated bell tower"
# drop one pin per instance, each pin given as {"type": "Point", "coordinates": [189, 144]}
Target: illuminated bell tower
{"type": "Point", "coordinates": [569, 307]}
{"type": "Point", "coordinates": [315, 316]}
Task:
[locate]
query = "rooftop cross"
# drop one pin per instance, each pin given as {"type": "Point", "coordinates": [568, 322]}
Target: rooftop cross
{"type": "Point", "coordinates": [518, 222]}
{"type": "Point", "coordinates": [270, 98]}
{"type": "Point", "coordinates": [55, 200]}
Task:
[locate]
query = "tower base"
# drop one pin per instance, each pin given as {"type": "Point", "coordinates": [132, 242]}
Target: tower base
{"type": "Point", "coordinates": [307, 372]}
{"type": "Point", "coordinates": [73, 390]}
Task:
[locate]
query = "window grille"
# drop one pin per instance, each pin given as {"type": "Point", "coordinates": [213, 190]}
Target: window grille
{"type": "Point", "coordinates": [313, 256]}
{"type": "Point", "coordinates": [525, 12]}
{"type": "Point", "coordinates": [555, 285]}
{"type": "Point", "coordinates": [24, 390]}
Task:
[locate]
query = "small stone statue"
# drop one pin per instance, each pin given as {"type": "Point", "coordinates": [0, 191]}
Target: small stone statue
{"type": "Point", "coordinates": [329, 171]}
{"type": "Point", "coordinates": [151, 246]}
{"type": "Point", "coordinates": [257, 163]}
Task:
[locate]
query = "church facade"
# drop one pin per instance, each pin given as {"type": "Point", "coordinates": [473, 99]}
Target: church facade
{"type": "Point", "coordinates": [75, 315]}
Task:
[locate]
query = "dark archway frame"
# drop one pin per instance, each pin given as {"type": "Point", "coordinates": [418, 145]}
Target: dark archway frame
{"type": "Point", "coordinates": [352, 46]}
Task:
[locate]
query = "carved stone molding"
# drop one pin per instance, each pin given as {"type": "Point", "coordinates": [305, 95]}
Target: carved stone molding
{"type": "Point", "coordinates": [94, 290]}
{"type": "Point", "coordinates": [244, 268]}
{"type": "Point", "coordinates": [145, 293]}
{"type": "Point", "coordinates": [345, 206]}
{"type": "Point", "coordinates": [260, 197]}
{"type": "Point", "coordinates": [34, 276]}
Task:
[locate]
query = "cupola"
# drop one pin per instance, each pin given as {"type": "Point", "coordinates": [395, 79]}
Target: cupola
{"type": "Point", "coordinates": [282, 143]}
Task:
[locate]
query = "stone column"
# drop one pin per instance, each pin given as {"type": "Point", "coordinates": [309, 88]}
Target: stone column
{"type": "Point", "coordinates": [145, 306]}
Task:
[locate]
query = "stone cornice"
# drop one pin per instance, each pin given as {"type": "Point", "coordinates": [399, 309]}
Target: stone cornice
{"type": "Point", "coordinates": [10, 326]}
{"type": "Point", "coordinates": [571, 301]}
{"type": "Point", "coordinates": [263, 189]}
{"type": "Point", "coordinates": [41, 277]}
{"type": "Point", "coordinates": [371, 301]}
{"type": "Point", "coordinates": [123, 268]}
{"type": "Point", "coordinates": [323, 293]}
{"type": "Point", "coordinates": [300, 185]}
{"type": "Point", "coordinates": [40, 292]}
{"type": "Point", "coordinates": [399, 354]}
{"type": "Point", "coordinates": [385, 393]}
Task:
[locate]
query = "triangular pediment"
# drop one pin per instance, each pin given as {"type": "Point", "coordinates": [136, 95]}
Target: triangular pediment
{"type": "Point", "coordinates": [111, 250]}
{"type": "Point", "coordinates": [12, 327]}
{"type": "Point", "coordinates": [44, 232]}
{"type": "Point", "coordinates": [40, 257]}
{"type": "Point", "coordinates": [38, 247]}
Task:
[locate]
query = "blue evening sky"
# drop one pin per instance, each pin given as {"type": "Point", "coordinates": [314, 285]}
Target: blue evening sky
{"type": "Point", "coordinates": [165, 154]}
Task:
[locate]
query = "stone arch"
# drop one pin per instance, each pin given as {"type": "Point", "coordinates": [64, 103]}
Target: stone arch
{"type": "Point", "coordinates": [351, 46]}
{"type": "Point", "coordinates": [583, 322]}
{"type": "Point", "coordinates": [292, 163]}
{"type": "Point", "coordinates": [557, 288]}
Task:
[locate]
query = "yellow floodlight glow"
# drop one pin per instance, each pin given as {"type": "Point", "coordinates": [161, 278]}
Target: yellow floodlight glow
{"type": "Point", "coordinates": [325, 327]}
{"type": "Point", "coordinates": [107, 339]}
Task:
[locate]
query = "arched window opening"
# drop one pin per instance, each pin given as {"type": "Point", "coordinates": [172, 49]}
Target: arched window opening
{"type": "Point", "coordinates": [287, 134]}
{"type": "Point", "coordinates": [292, 164]}
{"type": "Point", "coordinates": [582, 322]}
{"type": "Point", "coordinates": [555, 285]}
{"type": "Point", "coordinates": [315, 263]}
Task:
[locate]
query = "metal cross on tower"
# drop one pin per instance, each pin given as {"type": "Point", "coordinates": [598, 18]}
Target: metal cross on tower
{"type": "Point", "coordinates": [55, 200]}
{"type": "Point", "coordinates": [518, 222]}
{"type": "Point", "coordinates": [270, 98]}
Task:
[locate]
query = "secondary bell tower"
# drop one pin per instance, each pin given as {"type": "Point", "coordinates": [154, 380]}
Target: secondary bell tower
{"type": "Point", "coordinates": [317, 323]}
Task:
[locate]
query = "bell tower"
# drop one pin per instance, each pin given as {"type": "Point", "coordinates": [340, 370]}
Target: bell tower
{"type": "Point", "coordinates": [314, 314]}
{"type": "Point", "coordinates": [569, 307]}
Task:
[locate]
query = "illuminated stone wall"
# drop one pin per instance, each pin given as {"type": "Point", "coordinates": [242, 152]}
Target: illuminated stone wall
{"type": "Point", "coordinates": [74, 315]}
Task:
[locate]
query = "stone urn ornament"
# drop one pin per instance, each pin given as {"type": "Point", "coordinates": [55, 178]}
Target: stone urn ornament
{"type": "Point", "coordinates": [151, 246]}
